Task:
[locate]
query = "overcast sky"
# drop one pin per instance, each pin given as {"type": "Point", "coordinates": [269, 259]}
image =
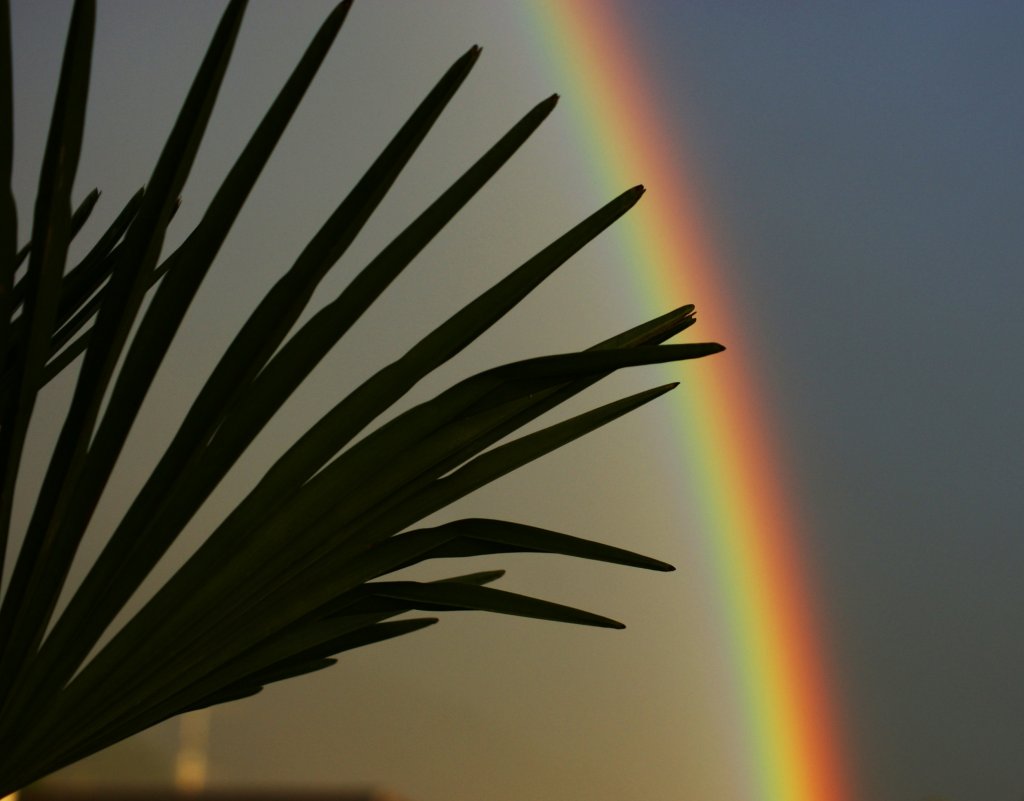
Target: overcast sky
{"type": "Point", "coordinates": [861, 166]}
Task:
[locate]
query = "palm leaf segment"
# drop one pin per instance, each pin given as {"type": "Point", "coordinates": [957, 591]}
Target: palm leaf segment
{"type": "Point", "coordinates": [291, 577]}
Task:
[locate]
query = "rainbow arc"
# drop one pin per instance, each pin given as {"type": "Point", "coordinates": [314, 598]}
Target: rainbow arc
{"type": "Point", "coordinates": [792, 741]}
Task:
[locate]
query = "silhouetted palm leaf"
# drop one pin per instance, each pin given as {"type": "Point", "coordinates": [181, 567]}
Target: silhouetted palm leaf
{"type": "Point", "coordinates": [295, 573]}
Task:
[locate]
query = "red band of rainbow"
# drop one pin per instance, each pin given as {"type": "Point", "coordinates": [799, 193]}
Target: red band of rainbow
{"type": "Point", "coordinates": [791, 734]}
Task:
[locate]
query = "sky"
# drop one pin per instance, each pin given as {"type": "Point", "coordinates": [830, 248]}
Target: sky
{"type": "Point", "coordinates": [855, 171]}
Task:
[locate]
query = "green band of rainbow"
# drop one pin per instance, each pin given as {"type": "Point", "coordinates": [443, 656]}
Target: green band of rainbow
{"type": "Point", "coordinates": [791, 739]}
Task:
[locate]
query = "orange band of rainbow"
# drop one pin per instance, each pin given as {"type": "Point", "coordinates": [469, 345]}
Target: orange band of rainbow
{"type": "Point", "coordinates": [792, 739]}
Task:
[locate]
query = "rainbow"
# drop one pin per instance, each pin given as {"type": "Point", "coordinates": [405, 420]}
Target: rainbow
{"type": "Point", "coordinates": [791, 743]}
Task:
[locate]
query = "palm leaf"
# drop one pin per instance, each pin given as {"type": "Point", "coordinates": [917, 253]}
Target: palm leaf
{"type": "Point", "coordinates": [301, 570]}
{"type": "Point", "coordinates": [78, 219]}
{"type": "Point", "coordinates": [51, 227]}
{"type": "Point", "coordinates": [174, 490]}
{"type": "Point", "coordinates": [8, 246]}
{"type": "Point", "coordinates": [79, 299]}
{"type": "Point", "coordinates": [35, 584]}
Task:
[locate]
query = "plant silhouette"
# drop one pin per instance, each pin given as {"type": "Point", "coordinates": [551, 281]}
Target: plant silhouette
{"type": "Point", "coordinates": [296, 573]}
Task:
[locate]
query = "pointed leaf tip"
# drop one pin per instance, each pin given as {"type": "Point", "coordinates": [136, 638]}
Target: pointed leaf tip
{"type": "Point", "coordinates": [92, 197]}
{"type": "Point", "coordinates": [632, 195]}
{"type": "Point", "coordinates": [481, 578]}
{"type": "Point", "coordinates": [337, 16]}
{"type": "Point", "coordinates": [468, 59]}
{"type": "Point", "coordinates": [627, 199]}
{"type": "Point", "coordinates": [544, 107]}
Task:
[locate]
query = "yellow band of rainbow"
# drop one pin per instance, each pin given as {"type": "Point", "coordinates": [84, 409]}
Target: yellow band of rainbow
{"type": "Point", "coordinates": [791, 736]}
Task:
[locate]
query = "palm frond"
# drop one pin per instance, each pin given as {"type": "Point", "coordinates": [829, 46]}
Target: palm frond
{"type": "Point", "coordinates": [301, 570]}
